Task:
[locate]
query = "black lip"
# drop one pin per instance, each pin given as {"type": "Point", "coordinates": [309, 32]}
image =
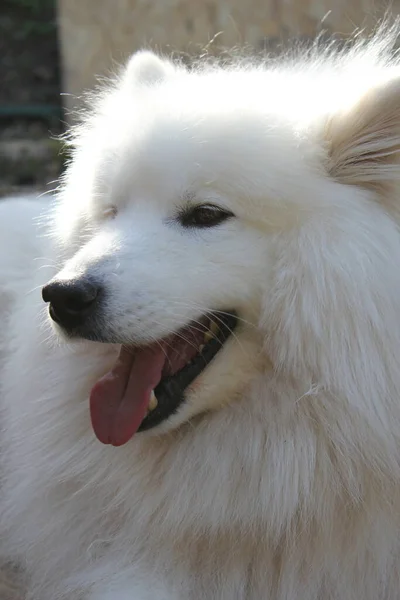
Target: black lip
{"type": "Point", "coordinates": [170, 392]}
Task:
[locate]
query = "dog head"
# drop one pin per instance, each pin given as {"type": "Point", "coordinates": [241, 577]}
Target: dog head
{"type": "Point", "coordinates": [220, 221]}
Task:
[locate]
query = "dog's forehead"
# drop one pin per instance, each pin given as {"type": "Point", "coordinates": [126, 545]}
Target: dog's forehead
{"type": "Point", "coordinates": [173, 152]}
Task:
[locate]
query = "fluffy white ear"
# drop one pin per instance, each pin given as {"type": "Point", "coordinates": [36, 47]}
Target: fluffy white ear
{"type": "Point", "coordinates": [146, 67]}
{"type": "Point", "coordinates": [364, 141]}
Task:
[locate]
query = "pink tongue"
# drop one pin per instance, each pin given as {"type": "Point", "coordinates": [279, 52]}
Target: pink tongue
{"type": "Point", "coordinates": [119, 400]}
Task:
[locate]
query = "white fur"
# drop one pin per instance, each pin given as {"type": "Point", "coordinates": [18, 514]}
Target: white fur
{"type": "Point", "coordinates": [17, 218]}
{"type": "Point", "coordinates": [279, 478]}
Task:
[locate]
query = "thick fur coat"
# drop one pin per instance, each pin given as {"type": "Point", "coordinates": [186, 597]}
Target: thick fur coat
{"type": "Point", "coordinates": [279, 477]}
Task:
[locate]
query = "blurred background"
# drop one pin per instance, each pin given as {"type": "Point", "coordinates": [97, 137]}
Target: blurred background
{"type": "Point", "coordinates": [50, 51]}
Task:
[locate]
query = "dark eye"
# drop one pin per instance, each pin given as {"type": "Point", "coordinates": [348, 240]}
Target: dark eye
{"type": "Point", "coordinates": [204, 215]}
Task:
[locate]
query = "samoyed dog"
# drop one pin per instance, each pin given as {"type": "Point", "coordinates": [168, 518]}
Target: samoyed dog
{"type": "Point", "coordinates": [201, 395]}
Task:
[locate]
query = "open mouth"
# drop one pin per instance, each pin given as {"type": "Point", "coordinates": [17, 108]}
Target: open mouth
{"type": "Point", "coordinates": [147, 384]}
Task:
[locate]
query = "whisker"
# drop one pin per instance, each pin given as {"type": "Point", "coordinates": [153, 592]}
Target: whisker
{"type": "Point", "coordinates": [214, 318]}
{"type": "Point", "coordinates": [206, 310]}
{"type": "Point", "coordinates": [48, 192]}
{"type": "Point", "coordinates": [37, 287]}
{"type": "Point", "coordinates": [177, 334]}
{"type": "Point", "coordinates": [54, 263]}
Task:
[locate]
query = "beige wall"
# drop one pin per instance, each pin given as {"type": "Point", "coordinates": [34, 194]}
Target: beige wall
{"type": "Point", "coordinates": [94, 34]}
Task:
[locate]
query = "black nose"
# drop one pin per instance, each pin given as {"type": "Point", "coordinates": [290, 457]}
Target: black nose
{"type": "Point", "coordinates": [71, 302]}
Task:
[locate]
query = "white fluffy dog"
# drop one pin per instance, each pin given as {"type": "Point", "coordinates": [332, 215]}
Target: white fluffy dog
{"type": "Point", "coordinates": [206, 405]}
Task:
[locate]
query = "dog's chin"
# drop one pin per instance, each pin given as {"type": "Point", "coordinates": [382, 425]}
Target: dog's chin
{"type": "Point", "coordinates": [150, 383]}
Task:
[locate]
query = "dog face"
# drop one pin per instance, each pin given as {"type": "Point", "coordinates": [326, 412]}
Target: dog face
{"type": "Point", "coordinates": [171, 232]}
{"type": "Point", "coordinates": [200, 202]}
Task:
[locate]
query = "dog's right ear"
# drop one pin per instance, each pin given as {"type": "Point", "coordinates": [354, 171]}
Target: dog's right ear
{"type": "Point", "coordinates": [145, 67]}
{"type": "Point", "coordinates": [364, 140]}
